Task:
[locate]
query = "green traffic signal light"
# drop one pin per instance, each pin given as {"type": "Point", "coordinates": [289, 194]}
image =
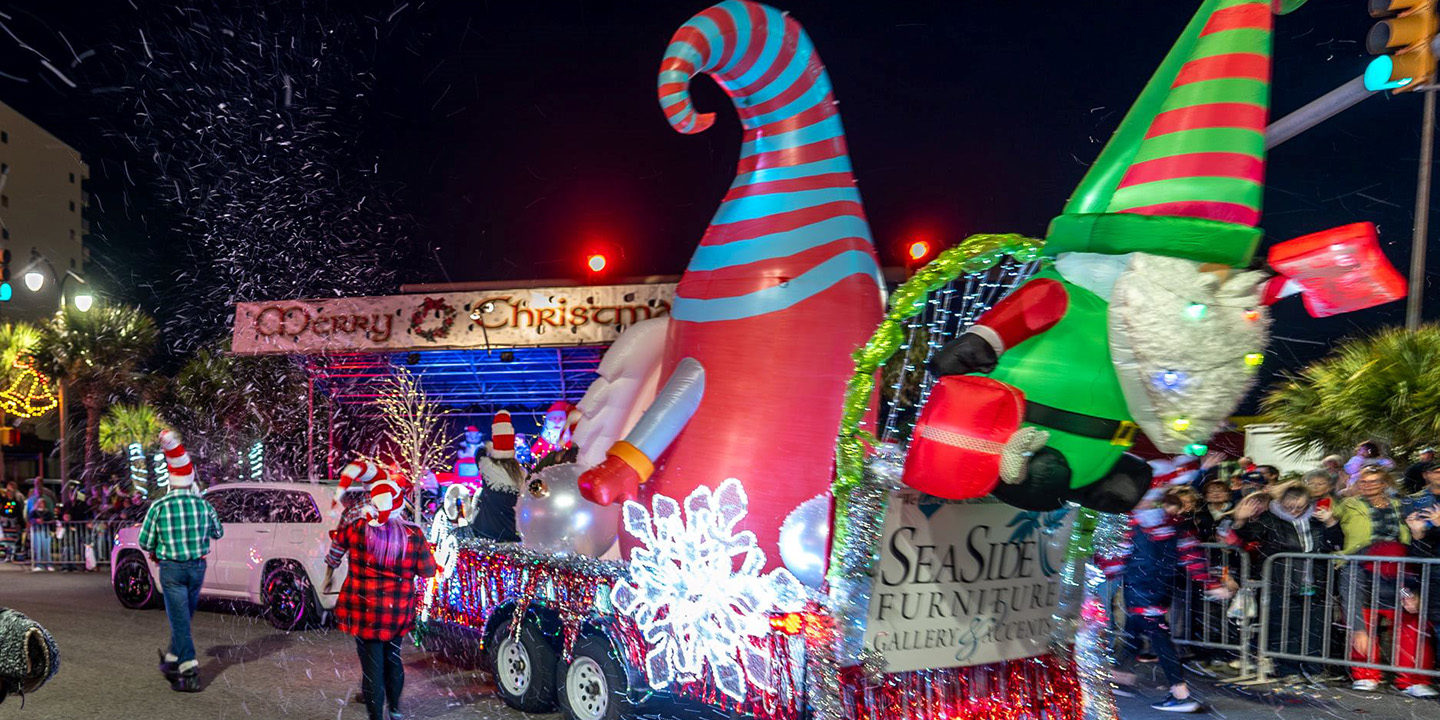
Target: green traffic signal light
{"type": "Point", "coordinates": [1378, 75]}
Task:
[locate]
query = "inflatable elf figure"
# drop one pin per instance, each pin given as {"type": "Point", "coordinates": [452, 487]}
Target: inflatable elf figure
{"type": "Point", "coordinates": [1143, 316]}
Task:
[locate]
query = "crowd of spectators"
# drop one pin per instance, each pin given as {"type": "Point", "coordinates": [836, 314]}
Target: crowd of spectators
{"type": "Point", "coordinates": [1321, 606]}
{"type": "Point", "coordinates": [35, 514]}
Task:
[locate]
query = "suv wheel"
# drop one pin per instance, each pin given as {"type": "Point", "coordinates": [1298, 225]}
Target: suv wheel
{"type": "Point", "coordinates": [290, 602]}
{"type": "Point", "coordinates": [593, 686]}
{"type": "Point", "coordinates": [524, 667]}
{"type": "Point", "coordinates": [133, 585]}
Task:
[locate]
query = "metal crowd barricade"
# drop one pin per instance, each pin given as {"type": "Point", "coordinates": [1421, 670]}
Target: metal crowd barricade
{"type": "Point", "coordinates": [67, 542]}
{"type": "Point", "coordinates": [1198, 621]}
{"type": "Point", "coordinates": [1312, 606]}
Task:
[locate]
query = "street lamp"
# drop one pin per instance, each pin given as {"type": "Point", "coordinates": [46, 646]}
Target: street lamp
{"type": "Point", "coordinates": [83, 298]}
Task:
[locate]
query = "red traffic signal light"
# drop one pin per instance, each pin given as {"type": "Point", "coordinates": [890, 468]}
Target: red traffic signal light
{"type": "Point", "coordinates": [918, 250]}
{"type": "Point", "coordinates": [596, 262]}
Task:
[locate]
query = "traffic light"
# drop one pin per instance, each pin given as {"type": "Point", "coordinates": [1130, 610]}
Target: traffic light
{"type": "Point", "coordinates": [595, 262]}
{"type": "Point", "coordinates": [5, 290]}
{"type": "Point", "coordinates": [918, 252]}
{"type": "Point", "coordinates": [1405, 43]}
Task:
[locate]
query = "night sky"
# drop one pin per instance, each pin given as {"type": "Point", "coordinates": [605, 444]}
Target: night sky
{"type": "Point", "coordinates": [511, 136]}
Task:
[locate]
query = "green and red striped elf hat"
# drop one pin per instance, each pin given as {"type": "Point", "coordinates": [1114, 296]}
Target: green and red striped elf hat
{"type": "Point", "coordinates": [1184, 173]}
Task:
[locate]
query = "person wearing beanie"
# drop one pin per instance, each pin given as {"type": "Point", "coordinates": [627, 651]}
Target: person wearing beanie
{"type": "Point", "coordinates": [176, 533]}
{"type": "Point", "coordinates": [386, 554]}
{"type": "Point", "coordinates": [503, 477]}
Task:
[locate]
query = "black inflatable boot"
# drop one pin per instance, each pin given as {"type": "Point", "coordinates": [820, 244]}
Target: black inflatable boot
{"type": "Point", "coordinates": [1045, 486]}
{"type": "Point", "coordinates": [1120, 490]}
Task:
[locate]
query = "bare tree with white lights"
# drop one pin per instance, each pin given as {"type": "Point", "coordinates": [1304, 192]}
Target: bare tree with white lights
{"type": "Point", "coordinates": [415, 425]}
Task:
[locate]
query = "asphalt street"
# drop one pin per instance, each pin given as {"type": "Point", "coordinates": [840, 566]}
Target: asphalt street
{"type": "Point", "coordinates": [251, 670]}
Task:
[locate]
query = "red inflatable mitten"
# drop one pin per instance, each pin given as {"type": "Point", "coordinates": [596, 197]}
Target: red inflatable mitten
{"type": "Point", "coordinates": [613, 480]}
{"type": "Point", "coordinates": [968, 438]}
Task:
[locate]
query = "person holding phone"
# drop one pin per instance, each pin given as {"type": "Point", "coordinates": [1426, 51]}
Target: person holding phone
{"type": "Point", "coordinates": [1285, 521]}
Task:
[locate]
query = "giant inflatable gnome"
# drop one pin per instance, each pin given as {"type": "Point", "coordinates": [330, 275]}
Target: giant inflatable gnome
{"type": "Point", "coordinates": [1143, 316]}
{"type": "Point", "coordinates": [784, 286]}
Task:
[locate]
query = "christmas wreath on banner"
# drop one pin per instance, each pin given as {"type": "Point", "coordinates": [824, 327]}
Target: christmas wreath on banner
{"type": "Point", "coordinates": [442, 310]}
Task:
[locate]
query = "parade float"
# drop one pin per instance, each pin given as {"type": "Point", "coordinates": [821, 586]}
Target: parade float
{"type": "Point", "coordinates": [770, 568]}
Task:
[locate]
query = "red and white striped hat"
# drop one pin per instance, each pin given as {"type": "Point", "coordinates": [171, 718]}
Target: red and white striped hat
{"type": "Point", "coordinates": [361, 471]}
{"type": "Point", "coordinates": [385, 498]}
{"type": "Point", "coordinates": [502, 436]}
{"type": "Point", "coordinates": [182, 473]}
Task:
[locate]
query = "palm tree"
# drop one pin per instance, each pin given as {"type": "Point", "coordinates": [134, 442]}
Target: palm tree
{"type": "Point", "coordinates": [1384, 387]}
{"type": "Point", "coordinates": [223, 404]}
{"type": "Point", "coordinates": [95, 354]}
{"type": "Point", "coordinates": [129, 430]}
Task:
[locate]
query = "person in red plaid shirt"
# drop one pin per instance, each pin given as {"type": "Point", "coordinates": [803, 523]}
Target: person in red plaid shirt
{"type": "Point", "coordinates": [377, 602]}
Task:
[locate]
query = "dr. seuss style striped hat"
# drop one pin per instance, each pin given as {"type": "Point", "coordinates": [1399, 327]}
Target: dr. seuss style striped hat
{"type": "Point", "coordinates": [182, 472]}
{"type": "Point", "coordinates": [502, 436]}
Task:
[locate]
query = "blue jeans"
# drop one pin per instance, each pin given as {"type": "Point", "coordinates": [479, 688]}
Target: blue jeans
{"type": "Point", "coordinates": [180, 583]}
{"type": "Point", "coordinates": [39, 545]}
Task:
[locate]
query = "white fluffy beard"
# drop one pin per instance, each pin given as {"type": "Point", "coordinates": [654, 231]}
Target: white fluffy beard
{"type": "Point", "coordinates": [1155, 329]}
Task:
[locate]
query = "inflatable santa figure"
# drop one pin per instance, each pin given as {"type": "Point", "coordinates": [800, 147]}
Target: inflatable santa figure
{"type": "Point", "coordinates": [555, 432]}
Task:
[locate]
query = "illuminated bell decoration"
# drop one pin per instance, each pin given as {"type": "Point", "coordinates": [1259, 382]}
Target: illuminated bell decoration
{"type": "Point", "coordinates": [30, 394]}
{"type": "Point", "coordinates": [1196, 311]}
{"type": "Point", "coordinates": [1254, 359]}
{"type": "Point", "coordinates": [1180, 424]}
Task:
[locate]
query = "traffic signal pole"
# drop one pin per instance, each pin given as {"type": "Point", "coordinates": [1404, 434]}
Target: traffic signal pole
{"type": "Point", "coordinates": [1317, 111]}
{"type": "Point", "coordinates": [1422, 215]}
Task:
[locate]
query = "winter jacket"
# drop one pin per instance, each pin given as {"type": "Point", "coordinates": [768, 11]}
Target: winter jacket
{"type": "Point", "coordinates": [28, 654]}
{"type": "Point", "coordinates": [1274, 531]}
{"type": "Point", "coordinates": [1354, 516]}
{"type": "Point", "coordinates": [1157, 547]}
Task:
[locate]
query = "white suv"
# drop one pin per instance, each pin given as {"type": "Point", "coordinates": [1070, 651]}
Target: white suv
{"type": "Point", "coordinates": [273, 553]}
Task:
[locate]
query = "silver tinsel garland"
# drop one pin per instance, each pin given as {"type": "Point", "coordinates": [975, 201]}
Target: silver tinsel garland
{"type": "Point", "coordinates": [841, 639]}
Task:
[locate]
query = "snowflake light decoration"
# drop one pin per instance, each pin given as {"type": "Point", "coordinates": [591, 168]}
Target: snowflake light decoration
{"type": "Point", "coordinates": [695, 608]}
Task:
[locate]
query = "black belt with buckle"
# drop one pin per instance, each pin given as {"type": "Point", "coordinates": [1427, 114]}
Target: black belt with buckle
{"type": "Point", "coordinates": [1119, 432]}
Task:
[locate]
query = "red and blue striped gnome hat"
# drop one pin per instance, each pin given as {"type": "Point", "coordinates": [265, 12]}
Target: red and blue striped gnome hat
{"type": "Point", "coordinates": [1184, 173]}
{"type": "Point", "coordinates": [182, 472]}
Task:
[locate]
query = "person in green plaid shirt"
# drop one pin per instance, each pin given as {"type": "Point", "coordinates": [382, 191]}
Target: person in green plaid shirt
{"type": "Point", "coordinates": [177, 533]}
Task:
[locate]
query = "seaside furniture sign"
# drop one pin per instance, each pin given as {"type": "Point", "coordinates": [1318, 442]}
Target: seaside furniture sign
{"type": "Point", "coordinates": [494, 318]}
{"type": "Point", "coordinates": [964, 582]}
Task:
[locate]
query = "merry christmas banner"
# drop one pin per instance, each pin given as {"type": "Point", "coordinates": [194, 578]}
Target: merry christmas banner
{"type": "Point", "coordinates": [964, 582]}
{"type": "Point", "coordinates": [492, 318]}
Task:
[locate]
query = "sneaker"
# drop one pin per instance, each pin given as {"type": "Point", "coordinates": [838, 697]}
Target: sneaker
{"type": "Point", "coordinates": [1125, 691]}
{"type": "Point", "coordinates": [1365, 685]}
{"type": "Point", "coordinates": [1420, 691]}
{"type": "Point", "coordinates": [396, 714]}
{"type": "Point", "coordinates": [50, 569]}
{"type": "Point", "coordinates": [170, 669]}
{"type": "Point", "coordinates": [186, 682]}
{"type": "Point", "coordinates": [37, 568]}
{"type": "Point", "coordinates": [1174, 704]}
{"type": "Point", "coordinates": [1147, 657]}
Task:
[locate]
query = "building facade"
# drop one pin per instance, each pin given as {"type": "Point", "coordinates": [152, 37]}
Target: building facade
{"type": "Point", "coordinates": [42, 216]}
